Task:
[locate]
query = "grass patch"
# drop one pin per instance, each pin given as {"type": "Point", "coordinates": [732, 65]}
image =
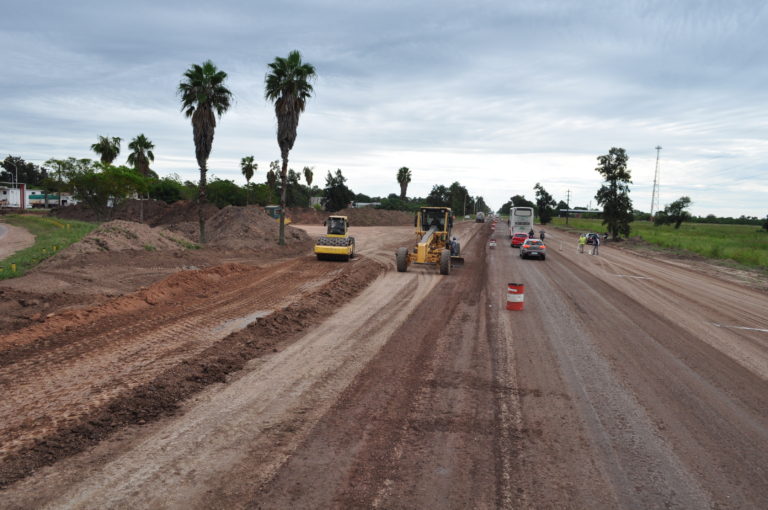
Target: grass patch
{"type": "Point", "coordinates": [51, 235]}
{"type": "Point", "coordinates": [745, 244]}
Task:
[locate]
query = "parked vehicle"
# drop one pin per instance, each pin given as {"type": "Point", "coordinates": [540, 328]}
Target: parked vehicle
{"type": "Point", "coordinates": [533, 248]}
{"type": "Point", "coordinates": [518, 240]}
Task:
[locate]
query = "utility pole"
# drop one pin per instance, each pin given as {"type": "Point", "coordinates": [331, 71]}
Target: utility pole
{"type": "Point", "coordinates": [655, 194]}
{"type": "Point", "coordinates": [568, 204]}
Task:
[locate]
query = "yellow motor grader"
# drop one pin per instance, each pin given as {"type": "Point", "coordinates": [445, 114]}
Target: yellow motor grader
{"type": "Point", "coordinates": [435, 246]}
{"type": "Point", "coordinates": [336, 243]}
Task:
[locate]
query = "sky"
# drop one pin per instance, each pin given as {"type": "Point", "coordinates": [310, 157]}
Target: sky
{"type": "Point", "coordinates": [497, 95]}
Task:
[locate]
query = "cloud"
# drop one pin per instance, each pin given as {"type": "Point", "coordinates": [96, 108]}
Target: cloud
{"type": "Point", "coordinates": [495, 95]}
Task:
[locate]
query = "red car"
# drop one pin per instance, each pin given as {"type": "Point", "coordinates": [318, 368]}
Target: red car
{"type": "Point", "coordinates": [518, 240]}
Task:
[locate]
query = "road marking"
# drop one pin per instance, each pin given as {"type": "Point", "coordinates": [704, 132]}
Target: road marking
{"type": "Point", "coordinates": [738, 327]}
{"type": "Point", "coordinates": [632, 276]}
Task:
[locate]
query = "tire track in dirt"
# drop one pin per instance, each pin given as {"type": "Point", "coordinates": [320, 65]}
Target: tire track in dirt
{"type": "Point", "coordinates": [268, 409]}
{"type": "Point", "coordinates": [97, 363]}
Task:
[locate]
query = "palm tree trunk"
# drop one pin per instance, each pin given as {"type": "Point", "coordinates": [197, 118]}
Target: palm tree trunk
{"type": "Point", "coordinates": [283, 186]}
{"type": "Point", "coordinates": [201, 199]}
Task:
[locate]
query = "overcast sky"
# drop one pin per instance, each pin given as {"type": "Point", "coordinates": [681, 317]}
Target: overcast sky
{"type": "Point", "coordinates": [498, 95]}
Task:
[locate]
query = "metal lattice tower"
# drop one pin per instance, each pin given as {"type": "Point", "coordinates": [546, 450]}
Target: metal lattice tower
{"type": "Point", "coordinates": [655, 196]}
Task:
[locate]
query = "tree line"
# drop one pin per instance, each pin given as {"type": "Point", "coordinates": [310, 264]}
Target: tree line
{"type": "Point", "coordinates": [613, 196]}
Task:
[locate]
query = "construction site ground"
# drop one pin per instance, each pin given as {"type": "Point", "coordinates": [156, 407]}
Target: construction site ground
{"type": "Point", "coordinates": [228, 378]}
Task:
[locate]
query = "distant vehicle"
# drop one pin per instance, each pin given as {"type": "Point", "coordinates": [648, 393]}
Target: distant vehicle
{"type": "Point", "coordinates": [273, 211]}
{"type": "Point", "coordinates": [480, 217]}
{"type": "Point", "coordinates": [533, 248]}
{"type": "Point", "coordinates": [518, 240]}
{"type": "Point", "coordinates": [520, 220]}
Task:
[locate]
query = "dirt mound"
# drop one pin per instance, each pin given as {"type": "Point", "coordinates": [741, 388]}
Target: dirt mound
{"type": "Point", "coordinates": [181, 211]}
{"type": "Point", "coordinates": [362, 217]}
{"type": "Point", "coordinates": [155, 212]}
{"type": "Point", "coordinates": [369, 217]}
{"type": "Point", "coordinates": [306, 215]}
{"type": "Point", "coordinates": [120, 235]}
{"type": "Point", "coordinates": [248, 227]}
{"type": "Point", "coordinates": [184, 282]}
{"type": "Point", "coordinates": [243, 228]}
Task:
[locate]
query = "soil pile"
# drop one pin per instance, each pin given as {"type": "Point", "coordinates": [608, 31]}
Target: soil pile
{"type": "Point", "coordinates": [156, 212]}
{"type": "Point", "coordinates": [239, 228]}
{"type": "Point", "coordinates": [369, 217]}
{"type": "Point", "coordinates": [306, 215]}
{"type": "Point", "coordinates": [120, 235]}
{"type": "Point", "coordinates": [183, 210]}
{"type": "Point", "coordinates": [362, 217]}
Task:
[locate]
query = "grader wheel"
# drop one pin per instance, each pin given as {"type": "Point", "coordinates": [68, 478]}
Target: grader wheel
{"type": "Point", "coordinates": [445, 262]}
{"type": "Point", "coordinates": [401, 258]}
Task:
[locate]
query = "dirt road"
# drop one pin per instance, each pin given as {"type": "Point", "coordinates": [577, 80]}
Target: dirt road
{"type": "Point", "coordinates": [13, 239]}
{"type": "Point", "coordinates": [625, 383]}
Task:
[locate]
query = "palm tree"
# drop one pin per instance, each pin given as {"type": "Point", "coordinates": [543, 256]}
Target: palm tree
{"type": "Point", "coordinates": [202, 93]}
{"type": "Point", "coordinates": [274, 167]}
{"type": "Point", "coordinates": [249, 168]}
{"type": "Point", "coordinates": [403, 177]}
{"type": "Point", "coordinates": [141, 154]}
{"type": "Point", "coordinates": [139, 158]}
{"type": "Point", "coordinates": [287, 85]}
{"type": "Point", "coordinates": [308, 175]}
{"type": "Point", "coordinates": [107, 149]}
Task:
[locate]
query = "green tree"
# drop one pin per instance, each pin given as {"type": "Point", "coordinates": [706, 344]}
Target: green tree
{"type": "Point", "coordinates": [481, 206]}
{"type": "Point", "coordinates": [439, 196]}
{"type": "Point", "coordinates": [15, 169]}
{"type": "Point", "coordinates": [544, 203]}
{"type": "Point", "coordinates": [613, 195]}
{"type": "Point", "coordinates": [287, 85]}
{"type": "Point", "coordinates": [141, 154]}
{"type": "Point", "coordinates": [224, 192]}
{"type": "Point", "coordinates": [674, 213]}
{"type": "Point", "coordinates": [459, 199]}
{"type": "Point", "coordinates": [308, 175]}
{"type": "Point", "coordinates": [107, 148]}
{"type": "Point", "coordinates": [765, 225]}
{"type": "Point", "coordinates": [103, 187]}
{"type": "Point", "coordinates": [249, 168]}
{"type": "Point", "coordinates": [337, 195]}
{"type": "Point", "coordinates": [203, 96]}
{"type": "Point", "coordinates": [561, 206]}
{"type": "Point", "coordinates": [403, 178]}
{"type": "Point", "coordinates": [166, 189]}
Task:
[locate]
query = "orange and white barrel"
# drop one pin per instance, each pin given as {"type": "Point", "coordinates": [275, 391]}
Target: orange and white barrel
{"type": "Point", "coordinates": [492, 243]}
{"type": "Point", "coordinates": [515, 296]}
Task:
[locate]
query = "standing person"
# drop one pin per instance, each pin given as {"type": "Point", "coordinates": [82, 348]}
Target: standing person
{"type": "Point", "coordinates": [595, 245]}
{"type": "Point", "coordinates": [582, 242]}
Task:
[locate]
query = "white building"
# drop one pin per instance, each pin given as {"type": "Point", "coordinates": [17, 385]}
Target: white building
{"type": "Point", "coordinates": [31, 198]}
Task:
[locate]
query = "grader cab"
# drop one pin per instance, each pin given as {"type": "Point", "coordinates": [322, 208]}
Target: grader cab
{"type": "Point", "coordinates": [435, 246]}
